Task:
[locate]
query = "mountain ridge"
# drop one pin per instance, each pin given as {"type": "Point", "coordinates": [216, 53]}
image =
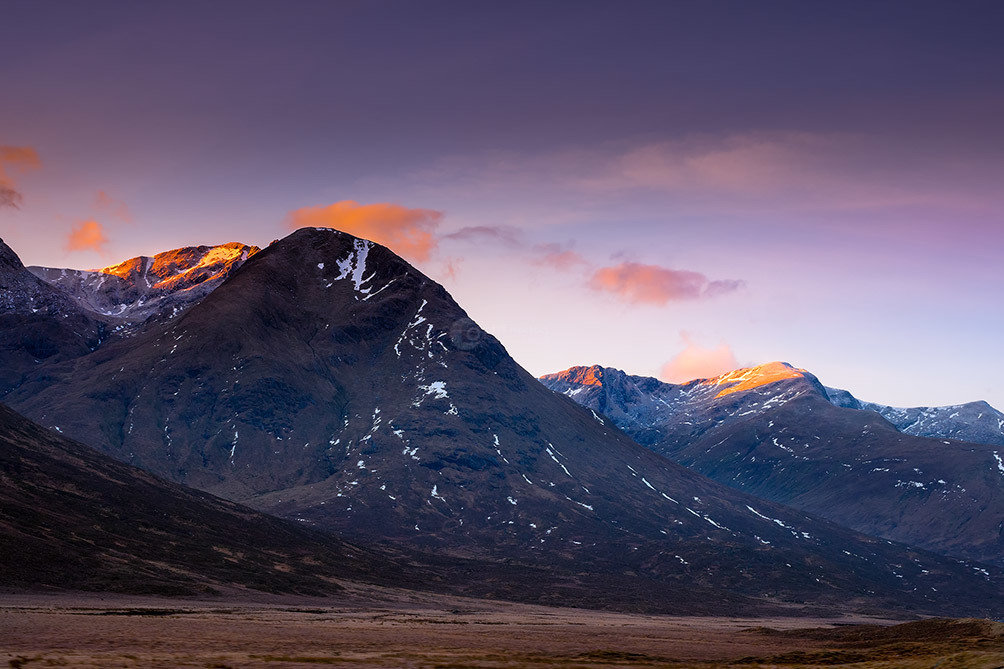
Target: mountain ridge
{"type": "Point", "coordinates": [160, 285]}
{"type": "Point", "coordinates": [787, 442]}
{"type": "Point", "coordinates": [977, 422]}
{"type": "Point", "coordinates": [328, 380]}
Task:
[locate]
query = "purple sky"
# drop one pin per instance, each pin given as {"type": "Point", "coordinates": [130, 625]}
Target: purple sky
{"type": "Point", "coordinates": [666, 187]}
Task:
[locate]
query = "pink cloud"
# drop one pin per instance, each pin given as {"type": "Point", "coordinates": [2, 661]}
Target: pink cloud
{"type": "Point", "coordinates": [409, 232]}
{"type": "Point", "coordinates": [697, 362]}
{"type": "Point", "coordinates": [652, 284]}
{"type": "Point", "coordinates": [87, 235]}
{"type": "Point", "coordinates": [558, 257]}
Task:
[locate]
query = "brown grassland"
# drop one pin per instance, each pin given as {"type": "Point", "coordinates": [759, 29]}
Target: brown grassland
{"type": "Point", "coordinates": [375, 628]}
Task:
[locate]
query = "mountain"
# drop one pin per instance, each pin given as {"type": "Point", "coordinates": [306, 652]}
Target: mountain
{"type": "Point", "coordinates": [162, 285]}
{"type": "Point", "coordinates": [975, 422]}
{"type": "Point", "coordinates": [52, 315]}
{"type": "Point", "coordinates": [39, 323]}
{"type": "Point", "coordinates": [772, 431]}
{"type": "Point", "coordinates": [328, 380]}
{"type": "Point", "coordinates": [71, 518]}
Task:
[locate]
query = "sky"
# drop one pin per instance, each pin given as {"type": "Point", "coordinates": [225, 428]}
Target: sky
{"type": "Point", "coordinates": [674, 189]}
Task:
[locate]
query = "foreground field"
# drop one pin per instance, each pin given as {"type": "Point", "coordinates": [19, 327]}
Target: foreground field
{"type": "Point", "coordinates": [423, 631]}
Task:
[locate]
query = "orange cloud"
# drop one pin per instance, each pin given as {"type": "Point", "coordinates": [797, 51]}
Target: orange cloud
{"type": "Point", "coordinates": [696, 362]}
{"type": "Point", "coordinates": [409, 232]}
{"type": "Point", "coordinates": [112, 206]}
{"type": "Point", "coordinates": [15, 159]}
{"type": "Point", "coordinates": [87, 236]}
{"type": "Point", "coordinates": [653, 284]}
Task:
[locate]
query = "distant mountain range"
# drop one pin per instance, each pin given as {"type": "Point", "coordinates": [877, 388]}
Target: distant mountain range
{"type": "Point", "coordinates": [162, 285]}
{"type": "Point", "coordinates": [327, 381]}
{"type": "Point", "coordinates": [976, 422]}
{"type": "Point", "coordinates": [774, 431]}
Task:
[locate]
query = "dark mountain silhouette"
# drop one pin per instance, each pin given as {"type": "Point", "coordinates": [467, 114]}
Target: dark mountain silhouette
{"type": "Point", "coordinates": [329, 381]}
{"type": "Point", "coordinates": [772, 431]}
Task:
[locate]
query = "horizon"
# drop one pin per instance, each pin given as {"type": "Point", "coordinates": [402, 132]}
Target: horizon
{"type": "Point", "coordinates": [674, 191]}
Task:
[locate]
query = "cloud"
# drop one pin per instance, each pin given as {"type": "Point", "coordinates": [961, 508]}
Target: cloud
{"type": "Point", "coordinates": [9, 197]}
{"type": "Point", "coordinates": [87, 235]}
{"type": "Point", "coordinates": [112, 206]}
{"type": "Point", "coordinates": [558, 257]}
{"type": "Point", "coordinates": [697, 362]}
{"type": "Point", "coordinates": [775, 172]}
{"type": "Point", "coordinates": [739, 164]}
{"type": "Point", "coordinates": [652, 284]}
{"type": "Point", "coordinates": [409, 232]}
{"type": "Point", "coordinates": [15, 159]}
{"type": "Point", "coordinates": [485, 233]}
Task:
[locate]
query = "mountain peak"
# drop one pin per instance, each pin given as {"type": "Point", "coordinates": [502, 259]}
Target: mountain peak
{"type": "Point", "coordinates": [754, 377]}
{"type": "Point", "coordinates": [8, 259]}
{"type": "Point", "coordinates": [186, 265]}
{"type": "Point", "coordinates": [145, 286]}
{"type": "Point", "coordinates": [592, 375]}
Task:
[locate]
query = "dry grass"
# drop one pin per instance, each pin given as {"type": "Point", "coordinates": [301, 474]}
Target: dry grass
{"type": "Point", "coordinates": [425, 631]}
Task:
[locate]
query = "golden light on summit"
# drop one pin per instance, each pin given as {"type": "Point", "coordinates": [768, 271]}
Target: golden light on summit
{"type": "Point", "coordinates": [754, 377]}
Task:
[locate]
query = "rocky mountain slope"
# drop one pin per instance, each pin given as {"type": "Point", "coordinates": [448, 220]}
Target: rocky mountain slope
{"type": "Point", "coordinates": [162, 285]}
{"type": "Point", "coordinates": [327, 380]}
{"type": "Point", "coordinates": [72, 518]}
{"type": "Point", "coordinates": [51, 314]}
{"type": "Point", "coordinates": [39, 323]}
{"type": "Point", "coordinates": [773, 432]}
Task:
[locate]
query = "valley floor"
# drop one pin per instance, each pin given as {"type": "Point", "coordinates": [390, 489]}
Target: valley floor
{"type": "Point", "coordinates": [388, 629]}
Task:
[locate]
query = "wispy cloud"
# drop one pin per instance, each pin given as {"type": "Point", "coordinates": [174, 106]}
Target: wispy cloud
{"type": "Point", "coordinates": [87, 235]}
{"type": "Point", "coordinates": [633, 282]}
{"type": "Point", "coordinates": [558, 256]}
{"type": "Point", "coordinates": [486, 233]}
{"type": "Point", "coordinates": [551, 254]}
{"type": "Point", "coordinates": [777, 173]}
{"type": "Point", "coordinates": [112, 206]}
{"type": "Point", "coordinates": [745, 164]}
{"type": "Point", "coordinates": [15, 159]}
{"type": "Point", "coordinates": [409, 232]}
